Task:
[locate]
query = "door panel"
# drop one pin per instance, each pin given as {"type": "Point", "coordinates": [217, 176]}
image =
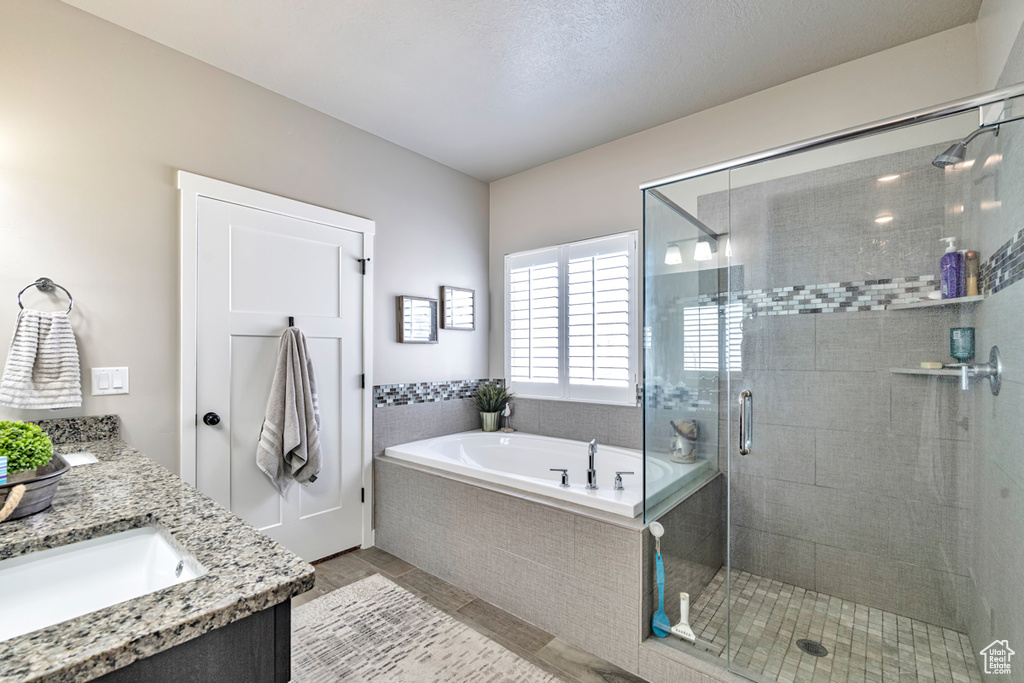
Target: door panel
{"type": "Point", "coordinates": [256, 288]}
{"type": "Point", "coordinates": [253, 497]}
{"type": "Point", "coordinates": [257, 269]}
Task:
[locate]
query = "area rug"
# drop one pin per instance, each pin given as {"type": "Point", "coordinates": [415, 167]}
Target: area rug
{"type": "Point", "coordinates": [375, 630]}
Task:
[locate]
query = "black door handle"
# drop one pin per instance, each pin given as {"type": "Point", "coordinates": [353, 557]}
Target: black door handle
{"type": "Point", "coordinates": [211, 419]}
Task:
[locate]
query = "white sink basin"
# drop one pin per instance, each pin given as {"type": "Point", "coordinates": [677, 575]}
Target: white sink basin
{"type": "Point", "coordinates": [80, 458]}
{"type": "Point", "coordinates": [50, 586]}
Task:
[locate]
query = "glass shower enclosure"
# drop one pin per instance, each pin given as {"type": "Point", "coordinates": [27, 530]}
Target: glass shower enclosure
{"type": "Point", "coordinates": [842, 498]}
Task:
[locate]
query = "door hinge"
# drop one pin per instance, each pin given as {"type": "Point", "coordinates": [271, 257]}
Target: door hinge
{"type": "Point", "coordinates": [197, 418]}
{"type": "Point", "coordinates": [362, 495]}
{"type": "Point", "coordinates": [362, 381]}
{"type": "Point", "coordinates": [362, 264]}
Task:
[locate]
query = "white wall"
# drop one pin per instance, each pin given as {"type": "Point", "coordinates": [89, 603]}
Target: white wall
{"type": "Point", "coordinates": [999, 22]}
{"type": "Point", "coordinates": [94, 122]}
{"type": "Point", "coordinates": [596, 191]}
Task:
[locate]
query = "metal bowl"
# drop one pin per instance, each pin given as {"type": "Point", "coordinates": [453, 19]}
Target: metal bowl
{"type": "Point", "coordinates": [40, 487]}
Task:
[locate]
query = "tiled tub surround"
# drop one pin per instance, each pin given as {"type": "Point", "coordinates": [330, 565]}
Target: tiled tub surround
{"type": "Point", "coordinates": [584, 576]}
{"type": "Point", "coordinates": [246, 571]}
{"type": "Point", "coordinates": [573, 572]}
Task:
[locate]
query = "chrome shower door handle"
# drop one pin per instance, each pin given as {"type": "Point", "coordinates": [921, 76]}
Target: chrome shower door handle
{"type": "Point", "coordinates": [746, 421]}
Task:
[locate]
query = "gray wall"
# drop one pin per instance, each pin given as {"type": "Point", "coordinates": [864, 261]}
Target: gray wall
{"type": "Point", "coordinates": [859, 482]}
{"type": "Point", "coordinates": [611, 425]}
{"type": "Point", "coordinates": [997, 530]}
{"type": "Point", "coordinates": [94, 122]}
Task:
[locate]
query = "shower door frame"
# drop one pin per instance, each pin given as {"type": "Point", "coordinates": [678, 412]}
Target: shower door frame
{"type": "Point", "coordinates": [935, 113]}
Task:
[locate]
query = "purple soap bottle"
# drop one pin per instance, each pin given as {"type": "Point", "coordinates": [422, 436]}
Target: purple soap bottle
{"type": "Point", "coordinates": [952, 270]}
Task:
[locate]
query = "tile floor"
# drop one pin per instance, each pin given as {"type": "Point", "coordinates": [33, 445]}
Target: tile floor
{"type": "Point", "coordinates": [529, 642]}
{"type": "Point", "coordinates": [864, 643]}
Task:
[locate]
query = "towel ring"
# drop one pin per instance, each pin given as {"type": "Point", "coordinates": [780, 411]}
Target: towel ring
{"type": "Point", "coordinates": [45, 284]}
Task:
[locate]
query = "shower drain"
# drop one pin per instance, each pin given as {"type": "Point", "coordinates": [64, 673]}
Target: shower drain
{"type": "Point", "coordinates": [812, 647]}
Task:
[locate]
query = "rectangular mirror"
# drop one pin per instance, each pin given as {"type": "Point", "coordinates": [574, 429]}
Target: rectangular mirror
{"type": "Point", "coordinates": [459, 307]}
{"type": "Point", "coordinates": [417, 320]}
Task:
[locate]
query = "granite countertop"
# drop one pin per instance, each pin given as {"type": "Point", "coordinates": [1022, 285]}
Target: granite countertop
{"type": "Point", "coordinates": [246, 571]}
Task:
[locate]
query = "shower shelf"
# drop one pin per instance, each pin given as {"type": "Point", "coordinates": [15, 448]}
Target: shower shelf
{"type": "Point", "coordinates": [944, 372]}
{"type": "Point", "coordinates": [929, 303]}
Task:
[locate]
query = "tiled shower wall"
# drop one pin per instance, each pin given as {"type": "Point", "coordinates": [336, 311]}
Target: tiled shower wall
{"type": "Point", "coordinates": [859, 485]}
{"type": "Point", "coordinates": [997, 528]}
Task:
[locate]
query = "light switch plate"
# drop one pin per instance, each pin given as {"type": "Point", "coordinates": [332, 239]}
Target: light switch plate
{"type": "Point", "coordinates": [109, 381]}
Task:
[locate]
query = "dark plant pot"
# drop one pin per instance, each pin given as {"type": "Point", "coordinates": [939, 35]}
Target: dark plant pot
{"type": "Point", "coordinates": [40, 487]}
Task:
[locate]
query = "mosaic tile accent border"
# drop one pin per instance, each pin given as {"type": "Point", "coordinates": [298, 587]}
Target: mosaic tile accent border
{"type": "Point", "coordinates": [672, 397]}
{"type": "Point", "coordinates": [1004, 267]}
{"type": "Point", "coordinates": [835, 297]}
{"type": "Point", "coordinates": [425, 392]}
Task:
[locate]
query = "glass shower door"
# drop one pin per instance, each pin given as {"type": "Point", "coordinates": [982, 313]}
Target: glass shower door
{"type": "Point", "coordinates": [684, 280]}
{"type": "Point", "coordinates": [849, 505]}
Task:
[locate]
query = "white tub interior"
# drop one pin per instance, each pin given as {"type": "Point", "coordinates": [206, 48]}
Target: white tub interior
{"type": "Point", "coordinates": [523, 461]}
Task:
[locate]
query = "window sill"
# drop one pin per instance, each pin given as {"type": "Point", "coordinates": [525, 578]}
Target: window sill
{"type": "Point", "coordinates": [617, 404]}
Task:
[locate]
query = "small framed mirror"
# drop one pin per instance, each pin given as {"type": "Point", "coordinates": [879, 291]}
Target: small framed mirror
{"type": "Point", "coordinates": [417, 320]}
{"type": "Point", "coordinates": [458, 308]}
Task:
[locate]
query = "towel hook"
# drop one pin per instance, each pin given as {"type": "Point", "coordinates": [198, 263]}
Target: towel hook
{"type": "Point", "coordinates": [45, 284]}
{"type": "Point", "coordinates": [291, 321]}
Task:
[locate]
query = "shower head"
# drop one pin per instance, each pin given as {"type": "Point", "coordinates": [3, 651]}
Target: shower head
{"type": "Point", "coordinates": [958, 152]}
{"type": "Point", "coordinates": [954, 155]}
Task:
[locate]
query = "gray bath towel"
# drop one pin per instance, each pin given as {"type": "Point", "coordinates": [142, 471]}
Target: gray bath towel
{"type": "Point", "coordinates": [42, 368]}
{"type": "Point", "coordinates": [289, 447]}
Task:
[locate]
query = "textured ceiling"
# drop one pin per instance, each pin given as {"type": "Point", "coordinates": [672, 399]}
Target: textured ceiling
{"type": "Point", "coordinates": [493, 87]}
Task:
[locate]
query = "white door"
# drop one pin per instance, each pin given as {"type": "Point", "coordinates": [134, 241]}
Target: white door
{"type": "Point", "coordinates": [255, 270]}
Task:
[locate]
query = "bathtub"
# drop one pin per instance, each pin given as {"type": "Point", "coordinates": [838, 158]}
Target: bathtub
{"type": "Point", "coordinates": [523, 461]}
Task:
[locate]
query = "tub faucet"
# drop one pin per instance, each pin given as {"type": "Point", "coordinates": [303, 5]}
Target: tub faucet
{"type": "Point", "coordinates": [591, 472]}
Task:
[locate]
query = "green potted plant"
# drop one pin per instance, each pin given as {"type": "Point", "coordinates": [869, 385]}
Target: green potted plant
{"type": "Point", "coordinates": [24, 445]}
{"type": "Point", "coordinates": [32, 469]}
{"type": "Point", "coordinates": [490, 399]}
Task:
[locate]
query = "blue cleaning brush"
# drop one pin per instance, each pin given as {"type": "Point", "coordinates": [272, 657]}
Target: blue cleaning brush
{"type": "Point", "coordinates": [660, 623]}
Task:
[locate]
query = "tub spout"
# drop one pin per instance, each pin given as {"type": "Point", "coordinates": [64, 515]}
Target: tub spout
{"type": "Point", "coordinates": [591, 472]}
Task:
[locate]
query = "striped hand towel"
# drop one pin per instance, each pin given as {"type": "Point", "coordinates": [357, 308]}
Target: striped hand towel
{"type": "Point", "coordinates": [42, 364]}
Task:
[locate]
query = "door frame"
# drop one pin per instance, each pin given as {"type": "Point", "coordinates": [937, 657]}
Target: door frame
{"type": "Point", "coordinates": [191, 188]}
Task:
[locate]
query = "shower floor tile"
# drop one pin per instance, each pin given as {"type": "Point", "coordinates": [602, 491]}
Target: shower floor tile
{"type": "Point", "coordinates": [864, 643]}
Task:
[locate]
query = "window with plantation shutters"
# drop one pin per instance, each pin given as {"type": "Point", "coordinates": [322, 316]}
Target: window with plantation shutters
{"type": "Point", "coordinates": [571, 321]}
{"type": "Point", "coordinates": [703, 340]}
{"type": "Point", "coordinates": [533, 321]}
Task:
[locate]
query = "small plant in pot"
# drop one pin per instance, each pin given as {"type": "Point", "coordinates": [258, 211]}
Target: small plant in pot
{"type": "Point", "coordinates": [29, 470]}
{"type": "Point", "coordinates": [490, 399]}
{"type": "Point", "coordinates": [24, 445]}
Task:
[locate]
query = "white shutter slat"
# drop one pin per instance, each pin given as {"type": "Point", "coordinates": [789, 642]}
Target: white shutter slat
{"type": "Point", "coordinates": [533, 320]}
{"type": "Point", "coordinates": [598, 326]}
